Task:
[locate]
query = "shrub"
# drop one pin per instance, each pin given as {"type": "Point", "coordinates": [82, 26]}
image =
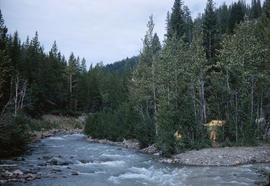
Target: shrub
{"type": "Point", "coordinates": [14, 135]}
{"type": "Point", "coordinates": [226, 143]}
{"type": "Point", "coordinates": [114, 125]}
{"type": "Point", "coordinates": [145, 133]}
{"type": "Point", "coordinates": [38, 125]}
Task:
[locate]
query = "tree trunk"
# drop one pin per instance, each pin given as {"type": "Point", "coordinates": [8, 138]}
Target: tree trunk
{"type": "Point", "coordinates": [168, 95]}
{"type": "Point", "coordinates": [16, 95]}
{"type": "Point", "coordinates": [154, 97]}
{"type": "Point", "coordinates": [70, 84]}
{"type": "Point", "coordinates": [261, 105]}
{"type": "Point", "coordinates": [19, 94]}
{"type": "Point", "coordinates": [236, 118]}
{"type": "Point", "coordinates": [176, 89]}
{"type": "Point", "coordinates": [252, 100]}
{"type": "Point", "coordinates": [203, 98]}
{"type": "Point", "coordinates": [194, 101]}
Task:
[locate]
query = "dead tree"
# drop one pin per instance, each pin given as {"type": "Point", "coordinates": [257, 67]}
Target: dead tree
{"type": "Point", "coordinates": [20, 92]}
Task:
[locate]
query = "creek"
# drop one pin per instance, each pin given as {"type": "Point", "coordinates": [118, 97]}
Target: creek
{"type": "Point", "coordinates": [70, 160]}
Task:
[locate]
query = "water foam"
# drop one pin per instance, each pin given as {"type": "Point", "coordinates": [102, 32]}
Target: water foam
{"type": "Point", "coordinates": [113, 163]}
{"type": "Point", "coordinates": [107, 163]}
{"type": "Point", "coordinates": [56, 138]}
{"type": "Point", "coordinates": [152, 175]}
{"type": "Point", "coordinates": [111, 155]}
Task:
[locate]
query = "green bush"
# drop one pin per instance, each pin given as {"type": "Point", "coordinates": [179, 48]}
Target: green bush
{"type": "Point", "coordinates": [38, 125]}
{"type": "Point", "coordinates": [145, 133]}
{"type": "Point", "coordinates": [203, 143]}
{"type": "Point", "coordinates": [114, 125]}
{"type": "Point", "coordinates": [14, 135]}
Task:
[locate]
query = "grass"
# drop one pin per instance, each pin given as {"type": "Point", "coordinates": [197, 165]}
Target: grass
{"type": "Point", "coordinates": [57, 122]}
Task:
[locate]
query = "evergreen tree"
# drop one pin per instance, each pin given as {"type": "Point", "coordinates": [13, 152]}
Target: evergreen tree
{"type": "Point", "coordinates": [3, 33]}
{"type": "Point", "coordinates": [236, 16]}
{"type": "Point", "coordinates": [223, 14]}
{"type": "Point", "coordinates": [6, 68]}
{"type": "Point", "coordinates": [176, 21]}
{"type": "Point", "coordinates": [188, 26]}
{"type": "Point", "coordinates": [256, 9]}
{"type": "Point", "coordinates": [210, 31]}
{"type": "Point", "coordinates": [265, 23]}
{"type": "Point", "coordinates": [72, 71]}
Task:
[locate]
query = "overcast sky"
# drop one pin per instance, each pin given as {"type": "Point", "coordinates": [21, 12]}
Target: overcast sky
{"type": "Point", "coordinates": [99, 30]}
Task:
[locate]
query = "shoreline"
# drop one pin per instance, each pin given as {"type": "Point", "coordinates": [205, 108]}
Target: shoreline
{"type": "Point", "coordinates": [207, 157]}
{"type": "Point", "coordinates": [36, 136]}
{"type": "Point", "coordinates": [13, 172]}
{"type": "Point", "coordinates": [221, 157]}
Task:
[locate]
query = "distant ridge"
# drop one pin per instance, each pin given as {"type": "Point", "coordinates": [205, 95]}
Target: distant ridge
{"type": "Point", "coordinates": [124, 65]}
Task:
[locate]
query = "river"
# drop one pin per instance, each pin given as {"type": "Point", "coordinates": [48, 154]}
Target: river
{"type": "Point", "coordinates": [98, 165]}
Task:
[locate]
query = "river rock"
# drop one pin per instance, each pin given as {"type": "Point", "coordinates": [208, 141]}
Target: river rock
{"type": "Point", "coordinates": [58, 161]}
{"type": "Point", "coordinates": [19, 159]}
{"type": "Point", "coordinates": [130, 144]}
{"type": "Point", "coordinates": [85, 161]}
{"type": "Point", "coordinates": [150, 149]}
{"type": "Point", "coordinates": [8, 174]}
{"type": "Point", "coordinates": [2, 182]}
{"type": "Point", "coordinates": [31, 176]}
{"type": "Point", "coordinates": [47, 157]}
{"type": "Point", "coordinates": [74, 173]}
{"type": "Point", "coordinates": [57, 170]}
{"type": "Point", "coordinates": [42, 164]}
{"type": "Point", "coordinates": [18, 172]}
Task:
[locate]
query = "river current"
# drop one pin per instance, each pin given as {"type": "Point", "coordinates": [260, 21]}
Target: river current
{"type": "Point", "coordinates": [103, 165]}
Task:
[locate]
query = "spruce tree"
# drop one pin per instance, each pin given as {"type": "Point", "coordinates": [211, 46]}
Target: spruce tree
{"type": "Point", "coordinates": [256, 9]}
{"type": "Point", "coordinates": [223, 18]}
{"type": "Point", "coordinates": [210, 31]}
{"type": "Point", "coordinates": [176, 21]}
{"type": "Point", "coordinates": [188, 24]}
{"type": "Point", "coordinates": [6, 68]}
{"type": "Point", "coordinates": [236, 16]}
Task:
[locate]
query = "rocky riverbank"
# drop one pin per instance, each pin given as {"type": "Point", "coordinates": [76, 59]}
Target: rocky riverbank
{"type": "Point", "coordinates": [13, 172]}
{"type": "Point", "coordinates": [227, 156]}
{"type": "Point", "coordinates": [129, 144]}
{"type": "Point", "coordinates": [38, 135]}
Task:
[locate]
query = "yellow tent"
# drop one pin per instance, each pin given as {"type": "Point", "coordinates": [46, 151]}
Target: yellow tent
{"type": "Point", "coordinates": [214, 123]}
{"type": "Point", "coordinates": [177, 135]}
{"type": "Point", "coordinates": [212, 127]}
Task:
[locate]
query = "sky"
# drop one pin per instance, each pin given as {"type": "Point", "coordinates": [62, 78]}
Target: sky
{"type": "Point", "coordinates": [98, 30]}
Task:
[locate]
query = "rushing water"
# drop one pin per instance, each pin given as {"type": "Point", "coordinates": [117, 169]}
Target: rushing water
{"type": "Point", "coordinates": [98, 165]}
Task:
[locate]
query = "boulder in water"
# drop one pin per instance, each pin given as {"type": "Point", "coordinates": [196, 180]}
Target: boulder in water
{"type": "Point", "coordinates": [74, 173]}
{"type": "Point", "coordinates": [58, 161]}
{"type": "Point", "coordinates": [18, 172]}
